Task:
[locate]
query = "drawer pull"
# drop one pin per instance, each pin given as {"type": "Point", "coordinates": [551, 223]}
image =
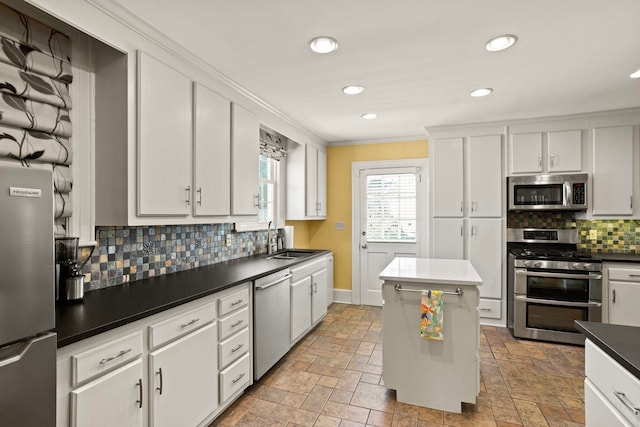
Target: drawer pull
{"type": "Point", "coordinates": [634, 275]}
{"type": "Point", "coordinates": [237, 302]}
{"type": "Point", "coordinates": [184, 325]}
{"type": "Point", "coordinates": [625, 401]}
{"type": "Point", "coordinates": [109, 359]}
{"type": "Point", "coordinates": [485, 309]}
{"type": "Point", "coordinates": [160, 387]}
{"type": "Point", "coordinates": [238, 379]}
{"type": "Point", "coordinates": [233, 350]}
{"type": "Point", "coordinates": [139, 401]}
{"type": "Point", "coordinates": [236, 324]}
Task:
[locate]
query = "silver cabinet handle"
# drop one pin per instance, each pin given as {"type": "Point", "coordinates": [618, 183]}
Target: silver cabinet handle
{"type": "Point", "coordinates": [188, 199]}
{"type": "Point", "coordinates": [552, 159]}
{"type": "Point", "coordinates": [109, 359]}
{"type": "Point", "coordinates": [256, 200]}
{"type": "Point", "coordinates": [625, 401]}
{"type": "Point", "coordinates": [184, 325]}
{"type": "Point", "coordinates": [233, 350]}
{"type": "Point", "coordinates": [634, 275]}
{"type": "Point", "coordinates": [160, 387]}
{"type": "Point", "coordinates": [462, 231]}
{"type": "Point", "coordinates": [630, 202]}
{"type": "Point", "coordinates": [461, 206]}
{"type": "Point", "coordinates": [139, 401]}
{"type": "Point", "coordinates": [268, 285]}
{"type": "Point", "coordinates": [236, 324]}
{"type": "Point", "coordinates": [485, 309]}
{"type": "Point", "coordinates": [199, 192]}
{"type": "Point", "coordinates": [559, 303]}
{"type": "Point", "coordinates": [238, 379]}
{"type": "Point", "coordinates": [590, 276]}
{"type": "Point", "coordinates": [613, 299]}
{"type": "Point", "coordinates": [236, 302]}
{"type": "Point", "coordinates": [539, 159]}
{"type": "Point", "coordinates": [473, 230]}
{"type": "Point", "coordinates": [473, 206]}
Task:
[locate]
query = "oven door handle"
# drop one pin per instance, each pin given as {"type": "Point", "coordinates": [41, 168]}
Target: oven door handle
{"type": "Point", "coordinates": [522, 272]}
{"type": "Point", "coordinates": [556, 302]}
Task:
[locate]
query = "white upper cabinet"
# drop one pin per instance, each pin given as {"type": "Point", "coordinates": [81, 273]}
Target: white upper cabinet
{"type": "Point", "coordinates": [564, 151]}
{"type": "Point", "coordinates": [485, 176]}
{"type": "Point", "coordinates": [525, 153]}
{"type": "Point", "coordinates": [306, 184]}
{"type": "Point", "coordinates": [245, 153]}
{"type": "Point", "coordinates": [448, 177]}
{"type": "Point", "coordinates": [164, 139]}
{"type": "Point", "coordinates": [613, 164]}
{"type": "Point", "coordinates": [211, 153]}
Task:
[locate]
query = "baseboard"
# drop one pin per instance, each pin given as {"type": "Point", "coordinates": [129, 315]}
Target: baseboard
{"type": "Point", "coordinates": [493, 322]}
{"type": "Point", "coordinates": [342, 296]}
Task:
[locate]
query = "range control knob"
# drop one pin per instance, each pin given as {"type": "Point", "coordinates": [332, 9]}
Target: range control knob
{"type": "Point", "coordinates": [587, 266]}
{"type": "Point", "coordinates": [527, 263]}
{"type": "Point", "coordinates": [578, 266]}
{"type": "Point", "coordinates": [537, 264]}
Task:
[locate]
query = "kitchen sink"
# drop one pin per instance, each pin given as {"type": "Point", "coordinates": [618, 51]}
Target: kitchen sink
{"type": "Point", "coordinates": [291, 254]}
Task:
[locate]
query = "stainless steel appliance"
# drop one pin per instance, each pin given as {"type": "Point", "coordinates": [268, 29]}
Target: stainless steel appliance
{"type": "Point", "coordinates": [550, 284]}
{"type": "Point", "coordinates": [27, 347]}
{"type": "Point", "coordinates": [547, 192]}
{"type": "Point", "coordinates": [272, 320]}
{"type": "Point", "coordinates": [69, 278]}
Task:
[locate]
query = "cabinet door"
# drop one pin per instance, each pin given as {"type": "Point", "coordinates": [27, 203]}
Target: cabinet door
{"type": "Point", "coordinates": [245, 158]}
{"type": "Point", "coordinates": [115, 397]}
{"type": "Point", "coordinates": [447, 238]}
{"type": "Point", "coordinates": [322, 183]}
{"type": "Point", "coordinates": [598, 411]}
{"type": "Point", "coordinates": [613, 171]}
{"type": "Point", "coordinates": [485, 253]}
{"type": "Point", "coordinates": [311, 173]}
{"type": "Point", "coordinates": [525, 151]}
{"type": "Point", "coordinates": [564, 151]}
{"type": "Point", "coordinates": [319, 295]}
{"type": "Point", "coordinates": [300, 307]}
{"type": "Point", "coordinates": [485, 176]}
{"type": "Point", "coordinates": [448, 177]}
{"type": "Point", "coordinates": [211, 153]}
{"type": "Point", "coordinates": [164, 139]}
{"type": "Point", "coordinates": [623, 303]}
{"type": "Point", "coordinates": [184, 379]}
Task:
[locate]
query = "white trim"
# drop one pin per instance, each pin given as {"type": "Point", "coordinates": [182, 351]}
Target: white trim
{"type": "Point", "coordinates": [342, 296]}
{"type": "Point", "coordinates": [356, 167]}
{"type": "Point", "coordinates": [407, 138]}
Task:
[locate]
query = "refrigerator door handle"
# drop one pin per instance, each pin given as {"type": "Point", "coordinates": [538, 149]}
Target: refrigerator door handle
{"type": "Point", "coordinates": [13, 353]}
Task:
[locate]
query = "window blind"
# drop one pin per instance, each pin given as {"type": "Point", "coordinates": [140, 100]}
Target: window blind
{"type": "Point", "coordinates": [391, 208]}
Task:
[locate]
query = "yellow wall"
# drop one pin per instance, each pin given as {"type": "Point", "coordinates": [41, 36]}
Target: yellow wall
{"type": "Point", "coordinates": [322, 234]}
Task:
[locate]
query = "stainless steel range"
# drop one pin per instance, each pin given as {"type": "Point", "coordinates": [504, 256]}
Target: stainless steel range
{"type": "Point", "coordinates": [550, 284]}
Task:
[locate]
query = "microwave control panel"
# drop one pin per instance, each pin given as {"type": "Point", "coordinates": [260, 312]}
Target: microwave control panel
{"type": "Point", "coordinates": [579, 193]}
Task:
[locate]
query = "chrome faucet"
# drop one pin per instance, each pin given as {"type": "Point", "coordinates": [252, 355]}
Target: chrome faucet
{"type": "Point", "coordinates": [270, 245]}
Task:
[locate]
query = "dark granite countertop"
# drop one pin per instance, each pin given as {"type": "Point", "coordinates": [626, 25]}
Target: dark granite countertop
{"type": "Point", "coordinates": [106, 309]}
{"type": "Point", "coordinates": [610, 257]}
{"type": "Point", "coordinates": [620, 342]}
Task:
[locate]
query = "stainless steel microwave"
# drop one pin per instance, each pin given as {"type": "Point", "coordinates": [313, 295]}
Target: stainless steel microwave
{"type": "Point", "coordinates": [548, 192]}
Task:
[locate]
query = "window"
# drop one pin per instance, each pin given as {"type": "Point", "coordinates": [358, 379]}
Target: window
{"type": "Point", "coordinates": [267, 189]}
{"type": "Point", "coordinates": [391, 208]}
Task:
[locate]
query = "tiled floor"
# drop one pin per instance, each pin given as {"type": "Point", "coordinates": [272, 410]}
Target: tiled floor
{"type": "Point", "coordinates": [334, 378]}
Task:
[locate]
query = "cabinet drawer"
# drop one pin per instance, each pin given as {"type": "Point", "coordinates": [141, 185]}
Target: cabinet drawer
{"type": "Point", "coordinates": [234, 323]}
{"type": "Point", "coordinates": [612, 380]}
{"type": "Point", "coordinates": [167, 330]}
{"type": "Point", "coordinates": [233, 348]}
{"type": "Point", "coordinates": [233, 302]}
{"type": "Point", "coordinates": [103, 358]}
{"type": "Point", "coordinates": [490, 308]}
{"type": "Point", "coordinates": [630, 274]}
{"type": "Point", "coordinates": [234, 378]}
{"type": "Point", "coordinates": [307, 269]}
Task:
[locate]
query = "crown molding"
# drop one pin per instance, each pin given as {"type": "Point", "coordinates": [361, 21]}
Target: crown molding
{"type": "Point", "coordinates": [407, 138]}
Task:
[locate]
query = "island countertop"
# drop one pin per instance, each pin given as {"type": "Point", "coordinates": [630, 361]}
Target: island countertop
{"type": "Point", "coordinates": [424, 270]}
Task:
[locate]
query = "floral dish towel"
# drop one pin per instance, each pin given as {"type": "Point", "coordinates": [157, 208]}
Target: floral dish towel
{"type": "Point", "coordinates": [432, 315]}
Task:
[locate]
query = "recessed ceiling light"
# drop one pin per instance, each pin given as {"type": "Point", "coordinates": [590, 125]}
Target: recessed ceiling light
{"type": "Point", "coordinates": [369, 116]}
{"type": "Point", "coordinates": [323, 44]}
{"type": "Point", "coordinates": [484, 91]}
{"type": "Point", "coordinates": [352, 90]}
{"type": "Point", "coordinates": [635, 75]}
{"type": "Point", "coordinates": [502, 42]}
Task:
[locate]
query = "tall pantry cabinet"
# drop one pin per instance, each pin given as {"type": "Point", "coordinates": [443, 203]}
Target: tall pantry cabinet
{"type": "Point", "coordinates": [467, 199]}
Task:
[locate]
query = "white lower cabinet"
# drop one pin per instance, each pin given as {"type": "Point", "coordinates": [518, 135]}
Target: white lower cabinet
{"type": "Point", "coordinates": [598, 410]}
{"type": "Point", "coordinates": [623, 284]}
{"type": "Point", "coordinates": [116, 397]}
{"type": "Point", "coordinates": [308, 296]}
{"type": "Point", "coordinates": [448, 238]}
{"type": "Point", "coordinates": [174, 368]}
{"type": "Point", "coordinates": [184, 384]}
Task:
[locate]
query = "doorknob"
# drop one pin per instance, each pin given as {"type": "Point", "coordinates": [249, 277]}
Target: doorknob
{"type": "Point", "coordinates": [363, 246]}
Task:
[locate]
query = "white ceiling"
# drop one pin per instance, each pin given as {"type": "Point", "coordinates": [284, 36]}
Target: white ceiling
{"type": "Point", "coordinates": [417, 59]}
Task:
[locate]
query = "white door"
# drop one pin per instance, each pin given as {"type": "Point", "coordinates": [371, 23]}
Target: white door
{"type": "Point", "coordinates": [319, 295]}
{"type": "Point", "coordinates": [389, 226]}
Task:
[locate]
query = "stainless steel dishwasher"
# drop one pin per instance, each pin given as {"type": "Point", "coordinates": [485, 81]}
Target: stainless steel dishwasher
{"type": "Point", "coordinates": [272, 320]}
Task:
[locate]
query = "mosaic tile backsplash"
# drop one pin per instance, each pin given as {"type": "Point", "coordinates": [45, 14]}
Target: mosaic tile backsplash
{"type": "Point", "coordinates": [126, 254]}
{"type": "Point", "coordinates": [613, 236]}
{"type": "Point", "coordinates": [558, 219]}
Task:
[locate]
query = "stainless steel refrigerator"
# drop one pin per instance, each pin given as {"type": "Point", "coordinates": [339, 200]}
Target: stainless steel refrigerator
{"type": "Point", "coordinates": [27, 304]}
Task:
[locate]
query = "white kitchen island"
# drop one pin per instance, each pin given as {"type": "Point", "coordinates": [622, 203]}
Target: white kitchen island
{"type": "Point", "coordinates": [434, 374]}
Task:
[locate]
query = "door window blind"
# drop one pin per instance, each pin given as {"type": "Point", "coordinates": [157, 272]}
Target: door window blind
{"type": "Point", "coordinates": [391, 208]}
